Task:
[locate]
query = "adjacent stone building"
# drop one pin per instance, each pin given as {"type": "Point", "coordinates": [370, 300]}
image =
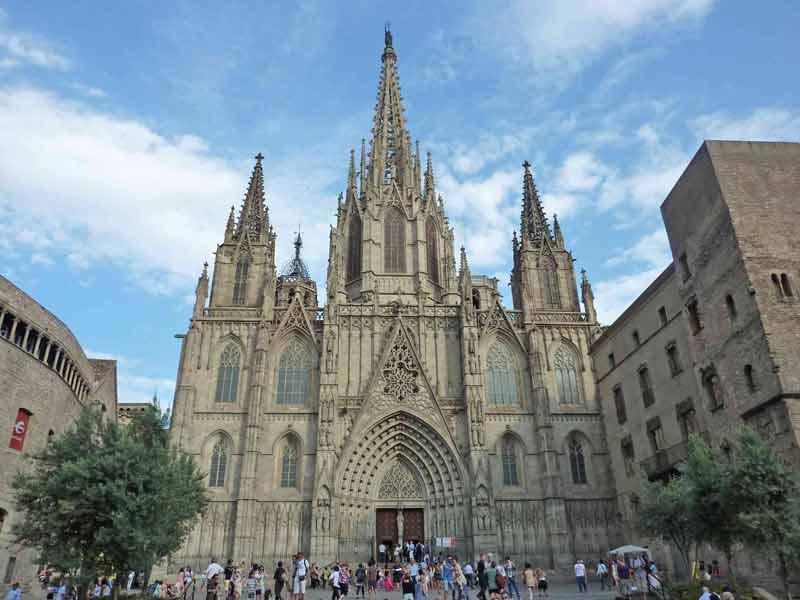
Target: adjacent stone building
{"type": "Point", "coordinates": [714, 341]}
{"type": "Point", "coordinates": [408, 404]}
{"type": "Point", "coordinates": [46, 381]}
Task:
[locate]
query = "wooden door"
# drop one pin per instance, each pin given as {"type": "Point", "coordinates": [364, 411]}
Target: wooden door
{"type": "Point", "coordinates": [386, 526]}
{"type": "Point", "coordinates": [414, 525]}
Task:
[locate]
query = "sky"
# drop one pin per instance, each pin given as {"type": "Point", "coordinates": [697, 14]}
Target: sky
{"type": "Point", "coordinates": [127, 130]}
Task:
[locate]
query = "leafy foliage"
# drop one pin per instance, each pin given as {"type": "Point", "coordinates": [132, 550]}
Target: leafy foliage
{"type": "Point", "coordinates": [104, 497]}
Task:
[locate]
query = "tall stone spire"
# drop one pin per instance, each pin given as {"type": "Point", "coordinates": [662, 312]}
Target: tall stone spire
{"type": "Point", "coordinates": [230, 227]}
{"type": "Point", "coordinates": [430, 186]}
{"type": "Point", "coordinates": [558, 237]}
{"type": "Point", "coordinates": [352, 184]}
{"type": "Point", "coordinates": [363, 172]}
{"type": "Point", "coordinates": [253, 215]}
{"type": "Point", "coordinates": [201, 292]}
{"type": "Point", "coordinates": [587, 297]}
{"type": "Point", "coordinates": [389, 156]}
{"type": "Point", "coordinates": [417, 171]}
{"type": "Point", "coordinates": [533, 227]}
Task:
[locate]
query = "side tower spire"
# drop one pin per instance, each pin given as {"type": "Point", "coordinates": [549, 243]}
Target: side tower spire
{"type": "Point", "coordinates": [534, 227]}
{"type": "Point", "coordinates": [253, 217]}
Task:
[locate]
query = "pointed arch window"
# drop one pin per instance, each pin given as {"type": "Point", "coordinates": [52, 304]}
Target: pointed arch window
{"type": "Point", "coordinates": [294, 374]}
{"type": "Point", "coordinates": [394, 241]}
{"type": "Point", "coordinates": [552, 295]}
{"type": "Point", "coordinates": [577, 461]}
{"type": "Point", "coordinates": [433, 250]}
{"type": "Point", "coordinates": [228, 375]}
{"type": "Point", "coordinates": [219, 464]}
{"type": "Point", "coordinates": [354, 247]}
{"type": "Point", "coordinates": [289, 466]}
{"type": "Point", "coordinates": [567, 377]}
{"type": "Point", "coordinates": [502, 376]}
{"type": "Point", "coordinates": [240, 279]}
{"type": "Point", "coordinates": [510, 472]}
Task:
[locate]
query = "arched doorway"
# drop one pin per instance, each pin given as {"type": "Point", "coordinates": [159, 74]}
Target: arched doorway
{"type": "Point", "coordinates": [401, 462]}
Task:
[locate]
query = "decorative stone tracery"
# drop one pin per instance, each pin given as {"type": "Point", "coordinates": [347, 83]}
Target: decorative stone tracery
{"type": "Point", "coordinates": [399, 482]}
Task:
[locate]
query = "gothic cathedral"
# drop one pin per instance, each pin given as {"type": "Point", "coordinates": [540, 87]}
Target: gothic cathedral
{"type": "Point", "coordinates": [411, 404]}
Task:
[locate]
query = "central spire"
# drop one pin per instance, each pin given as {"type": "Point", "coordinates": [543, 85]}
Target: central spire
{"type": "Point", "coordinates": [390, 156]}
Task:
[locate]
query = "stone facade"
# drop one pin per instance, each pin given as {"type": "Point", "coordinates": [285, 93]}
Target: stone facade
{"type": "Point", "coordinates": [45, 373]}
{"type": "Point", "coordinates": [412, 404]}
{"type": "Point", "coordinates": [717, 332]}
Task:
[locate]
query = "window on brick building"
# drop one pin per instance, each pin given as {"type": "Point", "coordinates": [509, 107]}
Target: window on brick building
{"type": "Point", "coordinates": [673, 359]}
{"type": "Point", "coordinates": [662, 315]}
{"type": "Point", "coordinates": [776, 282]}
{"type": "Point", "coordinates": [619, 405]}
{"type": "Point", "coordinates": [228, 375]}
{"type": "Point", "coordinates": [656, 434]}
{"type": "Point", "coordinates": [628, 456]}
{"type": "Point", "coordinates": [289, 466]}
{"type": "Point", "coordinates": [510, 471]}
{"type": "Point", "coordinates": [685, 272]}
{"type": "Point", "coordinates": [786, 286]}
{"type": "Point", "coordinates": [694, 316]}
{"type": "Point", "coordinates": [750, 378]}
{"type": "Point", "coordinates": [219, 464]}
{"type": "Point", "coordinates": [712, 388]}
{"type": "Point", "coordinates": [646, 385]}
{"type": "Point", "coordinates": [687, 418]}
{"type": "Point", "coordinates": [731, 305]}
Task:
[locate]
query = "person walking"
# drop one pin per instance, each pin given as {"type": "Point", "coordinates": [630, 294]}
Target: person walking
{"type": "Point", "coordinates": [301, 568]}
{"type": "Point", "coordinates": [280, 577]}
{"type": "Point", "coordinates": [511, 578]}
{"type": "Point", "coordinates": [372, 579]}
{"type": "Point", "coordinates": [361, 579]}
{"type": "Point", "coordinates": [602, 574]}
{"type": "Point", "coordinates": [491, 579]}
{"type": "Point", "coordinates": [529, 580]}
{"type": "Point", "coordinates": [407, 587]}
{"type": "Point", "coordinates": [335, 583]}
{"type": "Point", "coordinates": [580, 575]}
{"type": "Point", "coordinates": [541, 582]}
{"type": "Point", "coordinates": [482, 584]}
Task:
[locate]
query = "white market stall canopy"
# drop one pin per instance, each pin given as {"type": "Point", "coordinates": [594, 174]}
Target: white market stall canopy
{"type": "Point", "coordinates": [630, 549]}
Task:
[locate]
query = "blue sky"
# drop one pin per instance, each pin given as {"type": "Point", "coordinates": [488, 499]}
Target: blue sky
{"type": "Point", "coordinates": [128, 129]}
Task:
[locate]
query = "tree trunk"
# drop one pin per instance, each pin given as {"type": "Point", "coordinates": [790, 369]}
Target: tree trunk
{"type": "Point", "coordinates": [784, 568]}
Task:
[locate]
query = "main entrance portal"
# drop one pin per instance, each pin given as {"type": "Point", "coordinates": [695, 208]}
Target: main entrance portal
{"type": "Point", "coordinates": [393, 525]}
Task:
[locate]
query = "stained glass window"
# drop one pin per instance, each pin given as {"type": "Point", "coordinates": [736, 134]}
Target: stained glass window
{"type": "Point", "coordinates": [354, 253]}
{"type": "Point", "coordinates": [433, 252]}
{"type": "Point", "coordinates": [219, 464]}
{"type": "Point", "coordinates": [394, 241]}
{"type": "Point", "coordinates": [294, 374]}
{"type": "Point", "coordinates": [567, 377]}
{"type": "Point", "coordinates": [240, 280]}
{"type": "Point", "coordinates": [577, 461]}
{"type": "Point", "coordinates": [510, 474]}
{"type": "Point", "coordinates": [289, 466]}
{"type": "Point", "coordinates": [228, 375]}
{"type": "Point", "coordinates": [502, 372]}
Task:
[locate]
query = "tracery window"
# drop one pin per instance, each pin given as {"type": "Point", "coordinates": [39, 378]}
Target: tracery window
{"type": "Point", "coordinates": [510, 473]}
{"type": "Point", "coordinates": [577, 462]}
{"type": "Point", "coordinates": [240, 280]}
{"type": "Point", "coordinates": [294, 374]}
{"type": "Point", "coordinates": [567, 377]}
{"type": "Point", "coordinates": [394, 241]}
{"type": "Point", "coordinates": [552, 296]}
{"type": "Point", "coordinates": [228, 375]}
{"type": "Point", "coordinates": [289, 466]}
{"type": "Point", "coordinates": [433, 251]}
{"type": "Point", "coordinates": [354, 253]}
{"type": "Point", "coordinates": [219, 464]}
{"type": "Point", "coordinates": [503, 388]}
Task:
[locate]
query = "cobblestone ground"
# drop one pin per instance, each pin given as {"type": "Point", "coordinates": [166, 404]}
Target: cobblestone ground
{"type": "Point", "coordinates": [558, 591]}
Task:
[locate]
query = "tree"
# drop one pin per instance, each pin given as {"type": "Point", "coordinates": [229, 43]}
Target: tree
{"type": "Point", "coordinates": [665, 510]}
{"type": "Point", "coordinates": [103, 497]}
{"type": "Point", "coordinates": [769, 500]}
{"type": "Point", "coordinates": [710, 481]}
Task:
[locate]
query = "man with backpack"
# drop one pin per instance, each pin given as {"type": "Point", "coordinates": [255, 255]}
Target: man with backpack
{"type": "Point", "coordinates": [361, 576]}
{"type": "Point", "coordinates": [301, 567]}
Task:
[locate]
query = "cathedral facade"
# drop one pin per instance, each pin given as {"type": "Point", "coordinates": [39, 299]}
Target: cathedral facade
{"type": "Point", "coordinates": [409, 403]}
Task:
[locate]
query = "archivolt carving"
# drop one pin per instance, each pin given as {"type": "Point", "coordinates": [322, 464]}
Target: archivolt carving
{"type": "Point", "coordinates": [399, 482]}
{"type": "Point", "coordinates": [401, 437]}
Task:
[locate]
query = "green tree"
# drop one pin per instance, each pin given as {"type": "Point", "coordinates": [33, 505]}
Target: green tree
{"type": "Point", "coordinates": [769, 500]}
{"type": "Point", "coordinates": [103, 497]}
{"type": "Point", "coordinates": [666, 511]}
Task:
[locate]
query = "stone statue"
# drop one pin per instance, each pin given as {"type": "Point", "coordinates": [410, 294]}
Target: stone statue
{"type": "Point", "coordinates": [400, 521]}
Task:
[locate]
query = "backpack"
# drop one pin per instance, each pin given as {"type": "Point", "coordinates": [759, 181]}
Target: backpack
{"type": "Point", "coordinates": [714, 596]}
{"type": "Point", "coordinates": [501, 581]}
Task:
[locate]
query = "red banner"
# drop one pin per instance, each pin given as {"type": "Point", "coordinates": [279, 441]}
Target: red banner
{"type": "Point", "coordinates": [20, 429]}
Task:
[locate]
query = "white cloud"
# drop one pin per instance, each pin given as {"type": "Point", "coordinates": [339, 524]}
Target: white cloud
{"type": "Point", "coordinates": [651, 249]}
{"type": "Point", "coordinates": [581, 172]}
{"type": "Point", "coordinates": [763, 124]}
{"type": "Point", "coordinates": [563, 37]}
{"type": "Point", "coordinates": [613, 296]}
{"type": "Point", "coordinates": [89, 91]}
{"type": "Point", "coordinates": [93, 187]}
{"type": "Point", "coordinates": [562, 204]}
{"type": "Point", "coordinates": [18, 48]}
